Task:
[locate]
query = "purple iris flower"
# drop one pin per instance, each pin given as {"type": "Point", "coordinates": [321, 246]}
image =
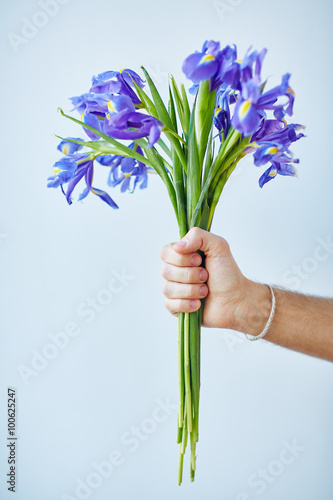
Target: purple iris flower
{"type": "Point", "coordinates": [101, 81]}
{"type": "Point", "coordinates": [229, 69]}
{"type": "Point", "coordinates": [285, 135]}
{"type": "Point", "coordinates": [133, 125]}
{"type": "Point", "coordinates": [202, 65]}
{"type": "Point", "coordinates": [79, 102]}
{"type": "Point", "coordinates": [218, 66]}
{"type": "Point", "coordinates": [267, 128]}
{"type": "Point", "coordinates": [250, 109]}
{"type": "Point", "coordinates": [222, 111]}
{"type": "Point", "coordinates": [117, 82]}
{"type": "Point", "coordinates": [124, 169]}
{"type": "Point", "coordinates": [64, 170]}
{"type": "Point", "coordinates": [274, 169]}
{"type": "Point", "coordinates": [128, 169]}
{"type": "Point", "coordinates": [92, 120]}
{"type": "Point", "coordinates": [273, 152]}
{"type": "Point", "coordinates": [70, 170]}
{"type": "Point", "coordinates": [67, 147]}
{"type": "Point", "coordinates": [101, 104]}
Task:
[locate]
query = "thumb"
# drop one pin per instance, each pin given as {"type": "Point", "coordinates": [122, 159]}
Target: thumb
{"type": "Point", "coordinates": [199, 239]}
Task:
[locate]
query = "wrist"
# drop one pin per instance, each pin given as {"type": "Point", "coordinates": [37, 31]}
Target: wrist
{"type": "Point", "coordinates": [252, 312]}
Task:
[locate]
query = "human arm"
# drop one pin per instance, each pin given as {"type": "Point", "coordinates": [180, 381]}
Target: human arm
{"type": "Point", "coordinates": [232, 301]}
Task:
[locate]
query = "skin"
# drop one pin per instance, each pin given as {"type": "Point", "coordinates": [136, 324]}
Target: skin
{"type": "Point", "coordinates": [301, 322]}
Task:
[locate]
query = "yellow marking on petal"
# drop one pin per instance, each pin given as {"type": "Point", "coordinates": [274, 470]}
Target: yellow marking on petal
{"type": "Point", "coordinates": [272, 151]}
{"type": "Point", "coordinates": [207, 58]}
{"type": "Point", "coordinates": [127, 175]}
{"type": "Point", "coordinates": [273, 173]}
{"type": "Point", "coordinates": [57, 170]}
{"type": "Point", "coordinates": [111, 107]}
{"type": "Point", "coordinates": [289, 89]}
{"type": "Point", "coordinates": [217, 110]}
{"type": "Point", "coordinates": [121, 70]}
{"type": "Point", "coordinates": [244, 109]}
{"type": "Point", "coordinates": [239, 60]}
{"type": "Point", "coordinates": [284, 121]}
{"type": "Point", "coordinates": [65, 149]}
{"type": "Point", "coordinates": [81, 117]}
{"type": "Point", "coordinates": [108, 116]}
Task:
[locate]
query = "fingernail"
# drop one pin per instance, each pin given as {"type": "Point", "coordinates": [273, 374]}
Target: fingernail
{"type": "Point", "coordinates": [202, 275]}
{"type": "Point", "coordinates": [194, 304]}
{"type": "Point", "coordinates": [181, 243]}
{"type": "Point", "coordinates": [203, 290]}
{"type": "Point", "coordinates": [195, 260]}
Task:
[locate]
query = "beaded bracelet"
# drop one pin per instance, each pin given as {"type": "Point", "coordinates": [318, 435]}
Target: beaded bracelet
{"type": "Point", "coordinates": [269, 322]}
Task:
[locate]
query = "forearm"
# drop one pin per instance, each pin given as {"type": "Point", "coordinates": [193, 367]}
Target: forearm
{"type": "Point", "coordinates": [300, 322]}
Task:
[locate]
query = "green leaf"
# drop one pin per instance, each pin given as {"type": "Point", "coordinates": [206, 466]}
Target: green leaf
{"type": "Point", "coordinates": [164, 117]}
{"type": "Point", "coordinates": [124, 149]}
{"type": "Point", "coordinates": [186, 107]}
{"type": "Point", "coordinates": [146, 101]}
{"type": "Point", "coordinates": [180, 194]}
{"type": "Point", "coordinates": [179, 104]}
{"type": "Point", "coordinates": [172, 111]}
{"type": "Point", "coordinates": [161, 110]}
{"type": "Point", "coordinates": [102, 147]}
{"type": "Point", "coordinates": [205, 110]}
{"type": "Point", "coordinates": [194, 169]}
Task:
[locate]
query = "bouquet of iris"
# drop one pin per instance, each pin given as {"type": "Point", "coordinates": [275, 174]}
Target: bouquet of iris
{"type": "Point", "coordinates": [194, 143]}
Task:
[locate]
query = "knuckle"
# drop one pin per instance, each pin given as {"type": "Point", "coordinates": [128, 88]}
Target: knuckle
{"type": "Point", "coordinates": [162, 253]}
{"type": "Point", "coordinates": [196, 231]}
{"type": "Point", "coordinates": [224, 245]}
{"type": "Point", "coordinates": [167, 305]}
{"type": "Point", "coordinates": [164, 270]}
{"type": "Point", "coordinates": [181, 305]}
{"type": "Point", "coordinates": [180, 260]}
{"type": "Point", "coordinates": [165, 288]}
{"type": "Point", "coordinates": [188, 276]}
{"type": "Point", "coordinates": [190, 291]}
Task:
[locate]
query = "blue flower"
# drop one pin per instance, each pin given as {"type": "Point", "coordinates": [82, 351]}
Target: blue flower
{"type": "Point", "coordinates": [70, 170]}
{"type": "Point", "coordinates": [218, 66]}
{"type": "Point", "coordinates": [105, 103]}
{"type": "Point", "coordinates": [125, 169]}
{"type": "Point", "coordinates": [64, 170]}
{"type": "Point", "coordinates": [79, 102]}
{"type": "Point", "coordinates": [202, 65]}
{"type": "Point", "coordinates": [133, 125]}
{"type": "Point", "coordinates": [67, 147]}
{"type": "Point", "coordinates": [284, 135]}
{"type": "Point", "coordinates": [117, 82]}
{"type": "Point", "coordinates": [222, 119]}
{"type": "Point", "coordinates": [274, 169]}
{"type": "Point", "coordinates": [250, 109]}
{"type": "Point", "coordinates": [271, 151]}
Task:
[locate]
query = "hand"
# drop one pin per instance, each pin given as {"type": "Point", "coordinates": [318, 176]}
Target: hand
{"type": "Point", "coordinates": [221, 281]}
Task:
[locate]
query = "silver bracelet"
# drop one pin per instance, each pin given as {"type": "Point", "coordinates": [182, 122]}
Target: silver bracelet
{"type": "Point", "coordinates": [269, 322]}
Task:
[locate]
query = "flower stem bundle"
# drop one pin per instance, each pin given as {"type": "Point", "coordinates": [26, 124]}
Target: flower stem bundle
{"type": "Point", "coordinates": [194, 143]}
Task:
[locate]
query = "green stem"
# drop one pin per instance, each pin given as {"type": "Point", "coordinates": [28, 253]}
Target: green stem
{"type": "Point", "coordinates": [194, 359]}
{"type": "Point", "coordinates": [181, 368]}
{"type": "Point", "coordinates": [180, 466]}
{"type": "Point", "coordinates": [185, 433]}
{"type": "Point", "coordinates": [188, 396]}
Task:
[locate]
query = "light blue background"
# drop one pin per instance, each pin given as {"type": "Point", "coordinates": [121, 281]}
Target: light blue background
{"type": "Point", "coordinates": [53, 257]}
